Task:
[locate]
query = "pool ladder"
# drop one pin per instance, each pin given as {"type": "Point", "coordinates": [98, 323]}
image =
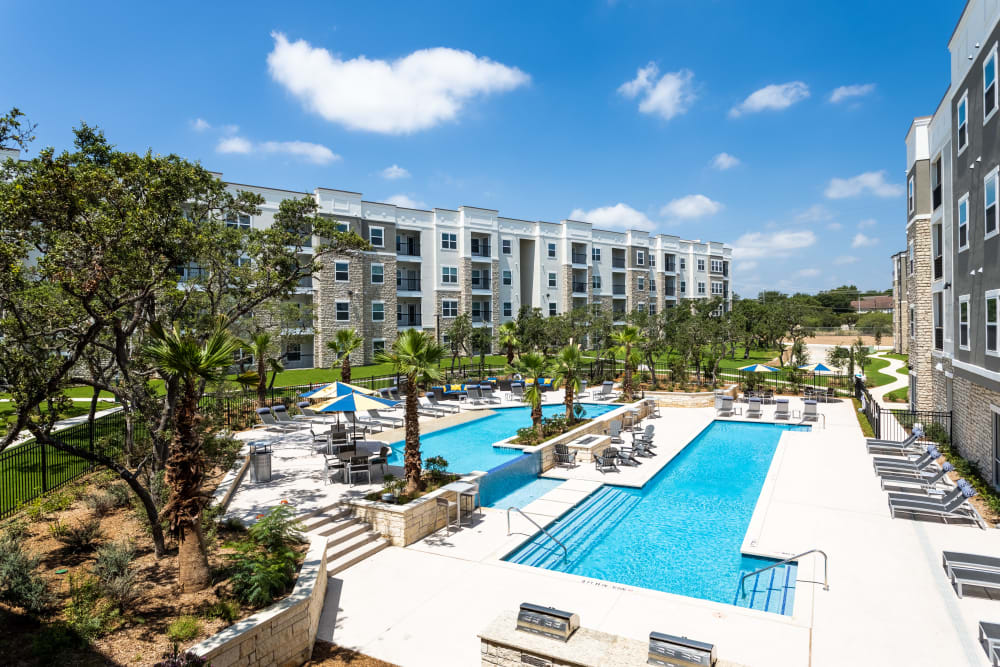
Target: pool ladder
{"type": "Point", "coordinates": [826, 581]}
{"type": "Point", "coordinates": [550, 535]}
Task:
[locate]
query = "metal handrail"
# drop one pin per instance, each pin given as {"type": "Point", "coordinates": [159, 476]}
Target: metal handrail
{"type": "Point", "coordinates": [551, 536]}
{"type": "Point", "coordinates": [826, 581]}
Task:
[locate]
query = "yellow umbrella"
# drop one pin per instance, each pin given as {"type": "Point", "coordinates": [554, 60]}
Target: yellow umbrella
{"type": "Point", "coordinates": [335, 389]}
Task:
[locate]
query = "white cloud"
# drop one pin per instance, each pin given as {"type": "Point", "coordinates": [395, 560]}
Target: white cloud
{"type": "Point", "coordinates": [808, 273]}
{"type": "Point", "coordinates": [746, 266]}
{"type": "Point", "coordinates": [846, 92]}
{"type": "Point", "coordinates": [872, 182]}
{"type": "Point", "coordinates": [620, 216]}
{"type": "Point", "coordinates": [230, 129]}
{"type": "Point", "coordinates": [416, 92]}
{"type": "Point", "coordinates": [690, 207]}
{"type": "Point", "coordinates": [670, 95]}
{"type": "Point", "coordinates": [405, 201]}
{"type": "Point", "coordinates": [862, 241]}
{"type": "Point", "coordinates": [200, 125]}
{"type": "Point", "coordinates": [310, 152]}
{"type": "Point", "coordinates": [867, 222]}
{"type": "Point", "coordinates": [758, 245]}
{"type": "Point", "coordinates": [724, 161]}
{"type": "Point", "coordinates": [394, 172]}
{"type": "Point", "coordinates": [774, 97]}
{"type": "Point", "coordinates": [234, 145]}
{"type": "Point", "coordinates": [835, 226]}
{"type": "Point", "coordinates": [846, 259]}
{"type": "Point", "coordinates": [815, 213]}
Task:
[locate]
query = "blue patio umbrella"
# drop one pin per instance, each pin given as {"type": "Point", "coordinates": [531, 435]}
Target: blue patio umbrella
{"type": "Point", "coordinates": [816, 368]}
{"type": "Point", "coordinates": [353, 402]}
{"type": "Point", "coordinates": [759, 368]}
{"type": "Point", "coordinates": [333, 390]}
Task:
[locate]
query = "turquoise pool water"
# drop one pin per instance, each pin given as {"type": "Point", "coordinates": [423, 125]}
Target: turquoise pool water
{"type": "Point", "coordinates": [530, 492]}
{"type": "Point", "coordinates": [469, 446]}
{"type": "Point", "coordinates": [681, 533]}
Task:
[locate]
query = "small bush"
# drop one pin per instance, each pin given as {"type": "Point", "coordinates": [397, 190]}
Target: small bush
{"type": "Point", "coordinates": [263, 564]}
{"type": "Point", "coordinates": [20, 585]}
{"type": "Point", "coordinates": [85, 614]}
{"type": "Point", "coordinates": [175, 658]}
{"type": "Point", "coordinates": [82, 537]}
{"type": "Point", "coordinates": [16, 529]}
{"type": "Point", "coordinates": [113, 570]}
{"type": "Point", "coordinates": [276, 528]}
{"type": "Point", "coordinates": [121, 494]}
{"type": "Point", "coordinates": [436, 468]}
{"type": "Point", "coordinates": [184, 629]}
{"type": "Point", "coordinates": [102, 503]}
{"type": "Point", "coordinates": [225, 610]}
{"type": "Point", "coordinates": [54, 640]}
{"type": "Point", "coordinates": [58, 529]}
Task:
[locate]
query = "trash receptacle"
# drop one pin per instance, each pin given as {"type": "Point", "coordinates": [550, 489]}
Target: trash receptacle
{"type": "Point", "coordinates": [260, 463]}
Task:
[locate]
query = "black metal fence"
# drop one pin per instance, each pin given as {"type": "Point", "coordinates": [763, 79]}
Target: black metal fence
{"type": "Point", "coordinates": [897, 424]}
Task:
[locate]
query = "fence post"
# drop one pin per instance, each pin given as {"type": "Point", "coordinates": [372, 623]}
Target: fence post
{"type": "Point", "coordinates": [45, 468]}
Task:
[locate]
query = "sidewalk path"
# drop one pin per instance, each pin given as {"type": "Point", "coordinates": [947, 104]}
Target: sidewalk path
{"type": "Point", "coordinates": [64, 424]}
{"type": "Point", "coordinates": [901, 381]}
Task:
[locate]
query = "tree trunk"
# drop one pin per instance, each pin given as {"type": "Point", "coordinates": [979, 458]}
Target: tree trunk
{"type": "Point", "coordinates": [345, 368]}
{"type": "Point", "coordinates": [412, 462]}
{"type": "Point", "coordinates": [192, 560]}
{"type": "Point", "coordinates": [510, 354]}
{"type": "Point", "coordinates": [569, 401]}
{"type": "Point", "coordinates": [627, 381]}
{"type": "Point", "coordinates": [536, 411]}
{"type": "Point", "coordinates": [261, 382]}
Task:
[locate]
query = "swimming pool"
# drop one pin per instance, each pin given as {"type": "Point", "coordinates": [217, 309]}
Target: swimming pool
{"type": "Point", "coordinates": [681, 533]}
{"type": "Point", "coordinates": [469, 446]}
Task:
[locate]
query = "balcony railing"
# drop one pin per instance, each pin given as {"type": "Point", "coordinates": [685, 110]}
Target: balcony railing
{"type": "Point", "coordinates": [938, 338]}
{"type": "Point", "coordinates": [938, 267]}
{"type": "Point", "coordinates": [305, 282]}
{"type": "Point", "coordinates": [407, 248]}
{"type": "Point", "coordinates": [409, 320]}
{"type": "Point", "coordinates": [579, 287]}
{"type": "Point", "coordinates": [618, 262]}
{"type": "Point", "coordinates": [937, 197]}
{"type": "Point", "coordinates": [481, 284]}
{"type": "Point", "coordinates": [618, 290]}
{"type": "Point", "coordinates": [484, 317]}
{"type": "Point", "coordinates": [579, 258]}
{"type": "Point", "coordinates": [408, 284]}
{"type": "Point", "coordinates": [482, 251]}
{"type": "Point", "coordinates": [670, 267]}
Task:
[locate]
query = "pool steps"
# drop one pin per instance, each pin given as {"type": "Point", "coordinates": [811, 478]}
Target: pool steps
{"type": "Point", "coordinates": [349, 540]}
{"type": "Point", "coordinates": [772, 590]}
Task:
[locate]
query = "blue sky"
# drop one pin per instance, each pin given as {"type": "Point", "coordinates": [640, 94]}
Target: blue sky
{"type": "Point", "coordinates": [616, 112]}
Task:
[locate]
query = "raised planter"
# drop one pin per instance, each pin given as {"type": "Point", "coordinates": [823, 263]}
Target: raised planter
{"type": "Point", "coordinates": [282, 634]}
{"type": "Point", "coordinates": [683, 399]}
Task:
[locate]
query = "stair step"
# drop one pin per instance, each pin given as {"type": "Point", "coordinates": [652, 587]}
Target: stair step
{"type": "Point", "coordinates": [356, 556]}
{"type": "Point", "coordinates": [342, 530]}
{"type": "Point", "coordinates": [326, 509]}
{"type": "Point", "coordinates": [771, 591]}
{"type": "Point", "coordinates": [317, 520]}
{"type": "Point", "coordinates": [335, 551]}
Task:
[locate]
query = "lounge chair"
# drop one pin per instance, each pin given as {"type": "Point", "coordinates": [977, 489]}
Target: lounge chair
{"type": "Point", "coordinates": [615, 431]}
{"type": "Point", "coordinates": [963, 576]}
{"type": "Point", "coordinates": [909, 442]}
{"type": "Point", "coordinates": [311, 415]}
{"type": "Point", "coordinates": [565, 458]}
{"type": "Point", "coordinates": [892, 465]}
{"type": "Point", "coordinates": [517, 391]}
{"type": "Point", "coordinates": [282, 417]}
{"type": "Point", "coordinates": [353, 418]}
{"type": "Point", "coordinates": [889, 448]}
{"type": "Point", "coordinates": [723, 406]}
{"type": "Point", "coordinates": [486, 392]}
{"type": "Point", "coordinates": [268, 422]}
{"type": "Point", "coordinates": [950, 559]}
{"type": "Point", "coordinates": [753, 407]}
{"type": "Point", "coordinates": [646, 437]}
{"type": "Point", "coordinates": [925, 482]}
{"type": "Point", "coordinates": [626, 456]}
{"type": "Point", "coordinates": [810, 410]}
{"type": "Point", "coordinates": [604, 393]}
{"type": "Point", "coordinates": [474, 394]}
{"type": "Point", "coordinates": [781, 408]}
{"type": "Point", "coordinates": [955, 508]}
{"type": "Point", "coordinates": [425, 408]}
{"type": "Point", "coordinates": [605, 461]}
{"type": "Point", "coordinates": [432, 401]}
{"type": "Point", "coordinates": [989, 639]}
{"type": "Point", "coordinates": [394, 422]}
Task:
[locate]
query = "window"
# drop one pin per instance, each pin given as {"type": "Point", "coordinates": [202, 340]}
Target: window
{"type": "Point", "coordinates": [449, 241]}
{"type": "Point", "coordinates": [595, 254]}
{"type": "Point", "coordinates": [990, 200]}
{"type": "Point", "coordinates": [909, 195]}
{"type": "Point", "coordinates": [936, 184]}
{"type": "Point", "coordinates": [716, 288]}
{"type": "Point", "coordinates": [595, 281]}
{"type": "Point", "coordinates": [480, 246]}
{"type": "Point", "coordinates": [716, 266]}
{"type": "Point", "coordinates": [343, 311]}
{"type": "Point", "coordinates": [293, 352]}
{"type": "Point", "coordinates": [937, 316]}
{"type": "Point", "coordinates": [376, 236]}
{"type": "Point", "coordinates": [963, 223]}
{"type": "Point", "coordinates": [701, 265]}
{"type": "Point", "coordinates": [963, 122]}
{"type": "Point", "coordinates": [642, 283]}
{"type": "Point", "coordinates": [505, 246]}
{"type": "Point", "coordinates": [552, 280]}
{"type": "Point", "coordinates": [991, 322]}
{"type": "Point", "coordinates": [449, 274]}
{"type": "Point", "coordinates": [701, 288]}
{"type": "Point", "coordinates": [507, 310]}
{"type": "Point", "coordinates": [378, 311]}
{"type": "Point", "coordinates": [238, 221]}
{"type": "Point", "coordinates": [641, 307]}
{"type": "Point", "coordinates": [652, 260]}
{"type": "Point", "coordinates": [449, 309]}
{"type": "Point", "coordinates": [507, 278]}
{"type": "Point", "coordinates": [652, 309]}
{"type": "Point", "coordinates": [552, 309]}
{"type": "Point", "coordinates": [990, 85]}
{"type": "Point", "coordinates": [378, 274]}
{"type": "Point", "coordinates": [684, 286]}
{"type": "Point", "coordinates": [378, 346]}
{"type": "Point", "coordinates": [552, 250]}
{"type": "Point", "coordinates": [343, 226]}
{"type": "Point", "coordinates": [480, 279]}
{"type": "Point", "coordinates": [652, 285]}
{"type": "Point", "coordinates": [963, 322]}
{"type": "Point", "coordinates": [340, 272]}
{"type": "Point", "coordinates": [912, 327]}
{"type": "Point", "coordinates": [683, 264]}
{"type": "Point", "coordinates": [937, 260]}
{"type": "Point", "coordinates": [911, 258]}
{"type": "Point", "coordinates": [640, 257]}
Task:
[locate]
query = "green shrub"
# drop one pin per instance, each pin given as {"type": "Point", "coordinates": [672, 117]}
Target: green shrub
{"type": "Point", "coordinates": [102, 503]}
{"type": "Point", "coordinates": [82, 537]}
{"type": "Point", "coordinates": [263, 565]}
{"type": "Point", "coordinates": [52, 641]}
{"type": "Point", "coordinates": [20, 585]}
{"type": "Point", "coordinates": [937, 433]}
{"type": "Point", "coordinates": [277, 528]}
{"type": "Point", "coordinates": [184, 629]}
{"type": "Point", "coordinates": [436, 468]}
{"type": "Point", "coordinates": [121, 494]}
{"type": "Point", "coordinates": [85, 614]}
{"type": "Point", "coordinates": [115, 574]}
{"type": "Point", "coordinates": [16, 529]}
{"type": "Point", "coordinates": [58, 529]}
{"type": "Point", "coordinates": [175, 658]}
{"type": "Point", "coordinates": [225, 610]}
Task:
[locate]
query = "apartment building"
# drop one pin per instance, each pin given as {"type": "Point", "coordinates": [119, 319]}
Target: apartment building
{"type": "Point", "coordinates": [900, 305]}
{"type": "Point", "coordinates": [953, 244]}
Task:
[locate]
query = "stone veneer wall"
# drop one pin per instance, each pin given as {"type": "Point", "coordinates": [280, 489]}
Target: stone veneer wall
{"type": "Point", "coordinates": [972, 424]}
{"type": "Point", "coordinates": [919, 296]}
{"type": "Point", "coordinates": [282, 634]}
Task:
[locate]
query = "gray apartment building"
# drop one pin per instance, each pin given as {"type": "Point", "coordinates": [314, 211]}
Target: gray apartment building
{"type": "Point", "coordinates": [952, 260]}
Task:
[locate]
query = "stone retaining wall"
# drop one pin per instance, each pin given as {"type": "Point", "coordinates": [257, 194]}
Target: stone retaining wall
{"type": "Point", "coordinates": [679, 399]}
{"type": "Point", "coordinates": [284, 633]}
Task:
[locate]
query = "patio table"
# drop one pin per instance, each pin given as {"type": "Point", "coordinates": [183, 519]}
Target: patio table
{"type": "Point", "coordinates": [468, 490]}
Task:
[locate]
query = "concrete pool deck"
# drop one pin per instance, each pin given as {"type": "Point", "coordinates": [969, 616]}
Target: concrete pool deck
{"type": "Point", "coordinates": [889, 600]}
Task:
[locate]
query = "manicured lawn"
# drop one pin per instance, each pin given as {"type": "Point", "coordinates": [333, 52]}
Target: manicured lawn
{"type": "Point", "coordinates": [756, 357]}
{"type": "Point", "coordinates": [901, 395]}
{"type": "Point", "coordinates": [318, 375]}
{"type": "Point", "coordinates": [893, 355]}
{"type": "Point", "coordinates": [903, 370]}
{"type": "Point", "coordinates": [7, 411]}
{"type": "Point", "coordinates": [874, 377]}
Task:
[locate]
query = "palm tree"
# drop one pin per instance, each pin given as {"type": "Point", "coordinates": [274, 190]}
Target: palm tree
{"type": "Point", "coordinates": [566, 369]}
{"type": "Point", "coordinates": [508, 338]}
{"type": "Point", "coordinates": [624, 340]}
{"type": "Point", "coordinates": [260, 348]}
{"type": "Point", "coordinates": [344, 342]}
{"type": "Point", "coordinates": [533, 365]}
{"type": "Point", "coordinates": [417, 357]}
{"type": "Point", "coordinates": [183, 361]}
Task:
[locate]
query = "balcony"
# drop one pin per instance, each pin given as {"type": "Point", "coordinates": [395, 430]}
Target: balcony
{"type": "Point", "coordinates": [579, 258]}
{"type": "Point", "coordinates": [481, 285]}
{"type": "Point", "coordinates": [670, 267]}
{"type": "Point", "coordinates": [618, 262]}
{"type": "Point", "coordinates": [414, 320]}
{"type": "Point", "coordinates": [408, 284]}
{"type": "Point", "coordinates": [481, 249]}
{"type": "Point", "coordinates": [618, 290]}
{"type": "Point", "coordinates": [938, 267]}
{"type": "Point", "coordinates": [408, 247]}
{"type": "Point", "coordinates": [478, 319]}
{"type": "Point", "coordinates": [936, 196]}
{"type": "Point", "coordinates": [579, 287]}
{"type": "Point", "coordinates": [938, 338]}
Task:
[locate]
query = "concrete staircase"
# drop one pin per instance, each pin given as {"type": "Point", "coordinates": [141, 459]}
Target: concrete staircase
{"type": "Point", "coordinates": [349, 540]}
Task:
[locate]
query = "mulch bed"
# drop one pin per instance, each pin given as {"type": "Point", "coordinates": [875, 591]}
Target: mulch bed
{"type": "Point", "coordinates": [331, 655]}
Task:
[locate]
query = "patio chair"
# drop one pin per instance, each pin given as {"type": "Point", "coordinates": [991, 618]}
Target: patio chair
{"type": "Point", "coordinates": [365, 424]}
{"type": "Point", "coordinates": [891, 448]}
{"type": "Point", "coordinates": [810, 412]}
{"type": "Point", "coordinates": [615, 431]}
{"type": "Point", "coordinates": [646, 437]}
{"type": "Point", "coordinates": [517, 391]}
{"type": "Point", "coordinates": [723, 406]}
{"type": "Point", "coordinates": [925, 482]}
{"type": "Point", "coordinates": [282, 417]}
{"type": "Point", "coordinates": [359, 467]}
{"type": "Point", "coordinates": [425, 408]}
{"type": "Point", "coordinates": [605, 461]}
{"type": "Point", "coordinates": [308, 414]}
{"type": "Point", "coordinates": [753, 407]}
{"type": "Point", "coordinates": [486, 392]}
{"type": "Point", "coordinates": [268, 422]}
{"type": "Point", "coordinates": [781, 409]}
{"type": "Point", "coordinates": [641, 448]}
{"type": "Point", "coordinates": [381, 459]}
{"type": "Point", "coordinates": [433, 402]}
{"type": "Point", "coordinates": [962, 577]}
{"type": "Point", "coordinates": [989, 639]}
{"type": "Point", "coordinates": [394, 393]}
{"type": "Point", "coordinates": [952, 506]}
{"type": "Point", "coordinates": [605, 392]}
{"type": "Point", "coordinates": [950, 559]}
{"type": "Point", "coordinates": [474, 394]}
{"type": "Point", "coordinates": [583, 388]}
{"type": "Point", "coordinates": [376, 416]}
{"type": "Point", "coordinates": [891, 464]}
{"type": "Point", "coordinates": [565, 458]}
{"type": "Point", "coordinates": [653, 408]}
{"type": "Point", "coordinates": [446, 505]}
{"type": "Point", "coordinates": [626, 456]}
{"type": "Point", "coordinates": [332, 467]}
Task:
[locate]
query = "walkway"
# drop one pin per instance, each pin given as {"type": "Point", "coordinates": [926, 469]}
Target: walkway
{"type": "Point", "coordinates": [892, 369]}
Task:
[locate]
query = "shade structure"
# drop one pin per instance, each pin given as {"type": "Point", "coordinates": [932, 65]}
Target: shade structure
{"type": "Point", "coordinates": [759, 368]}
{"type": "Point", "coordinates": [816, 368]}
{"type": "Point", "coordinates": [354, 402]}
{"type": "Point", "coordinates": [335, 389]}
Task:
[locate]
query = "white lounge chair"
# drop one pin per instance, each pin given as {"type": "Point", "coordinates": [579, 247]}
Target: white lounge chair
{"type": "Point", "coordinates": [723, 406]}
{"type": "Point", "coordinates": [952, 506]}
{"type": "Point", "coordinates": [781, 408]}
{"type": "Point", "coordinates": [432, 401]}
{"type": "Point", "coordinates": [810, 411]}
{"type": "Point", "coordinates": [753, 407]}
{"type": "Point", "coordinates": [394, 422]}
{"type": "Point", "coordinates": [268, 422]}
